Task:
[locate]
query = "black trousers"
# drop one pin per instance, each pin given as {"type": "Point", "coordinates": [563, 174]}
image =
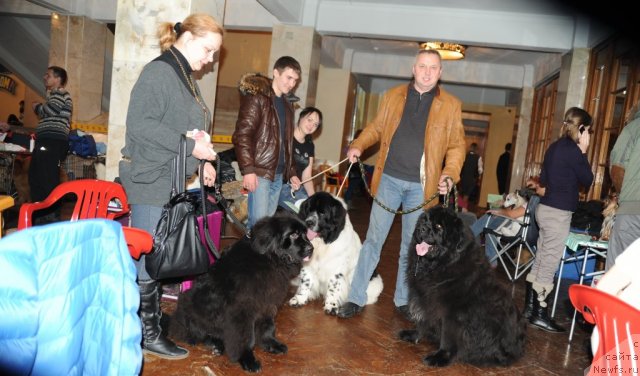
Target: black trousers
{"type": "Point", "coordinates": [44, 171]}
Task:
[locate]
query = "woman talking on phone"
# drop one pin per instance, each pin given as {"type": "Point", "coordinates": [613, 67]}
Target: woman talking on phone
{"type": "Point", "coordinates": [564, 170]}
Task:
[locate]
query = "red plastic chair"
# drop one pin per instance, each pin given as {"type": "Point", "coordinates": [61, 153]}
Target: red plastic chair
{"type": "Point", "coordinates": [618, 325]}
{"type": "Point", "coordinates": [94, 199]}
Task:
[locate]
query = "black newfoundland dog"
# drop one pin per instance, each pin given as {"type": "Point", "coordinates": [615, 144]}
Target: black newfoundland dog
{"type": "Point", "coordinates": [233, 306]}
{"type": "Point", "coordinates": [455, 300]}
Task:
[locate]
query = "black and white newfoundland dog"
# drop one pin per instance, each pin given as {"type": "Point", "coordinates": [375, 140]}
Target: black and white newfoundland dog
{"type": "Point", "coordinates": [336, 247]}
{"type": "Point", "coordinates": [455, 300]}
{"type": "Point", "coordinates": [233, 306]}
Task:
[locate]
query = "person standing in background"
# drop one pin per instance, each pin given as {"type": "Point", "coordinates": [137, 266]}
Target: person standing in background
{"type": "Point", "coordinates": [502, 169]}
{"type": "Point", "coordinates": [309, 121]}
{"type": "Point", "coordinates": [565, 168]}
{"type": "Point", "coordinates": [165, 104]}
{"type": "Point", "coordinates": [419, 128]}
{"type": "Point", "coordinates": [471, 171]}
{"type": "Point", "coordinates": [624, 164]}
{"type": "Point", "coordinates": [52, 136]}
{"type": "Point", "coordinates": [263, 138]}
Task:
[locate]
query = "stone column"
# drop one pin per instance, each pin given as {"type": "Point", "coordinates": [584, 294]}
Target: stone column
{"type": "Point", "coordinates": [78, 44]}
{"type": "Point", "coordinates": [135, 45]}
{"type": "Point", "coordinates": [519, 149]}
{"type": "Point", "coordinates": [572, 85]}
{"type": "Point", "coordinates": [303, 44]}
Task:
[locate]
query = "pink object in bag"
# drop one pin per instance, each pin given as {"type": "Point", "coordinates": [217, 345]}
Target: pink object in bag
{"type": "Point", "coordinates": [214, 220]}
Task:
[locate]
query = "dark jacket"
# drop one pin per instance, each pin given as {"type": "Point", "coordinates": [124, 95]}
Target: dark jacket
{"type": "Point", "coordinates": [257, 136]}
{"type": "Point", "coordinates": [564, 169]}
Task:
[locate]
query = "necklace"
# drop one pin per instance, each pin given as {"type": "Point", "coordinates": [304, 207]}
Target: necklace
{"type": "Point", "coordinates": [196, 93]}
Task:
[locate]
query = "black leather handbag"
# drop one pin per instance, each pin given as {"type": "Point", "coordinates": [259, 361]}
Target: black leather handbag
{"type": "Point", "coordinates": [177, 248]}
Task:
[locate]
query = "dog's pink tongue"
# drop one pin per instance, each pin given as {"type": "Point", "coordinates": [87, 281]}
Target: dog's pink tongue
{"type": "Point", "coordinates": [422, 248]}
{"type": "Point", "coordinates": [311, 234]}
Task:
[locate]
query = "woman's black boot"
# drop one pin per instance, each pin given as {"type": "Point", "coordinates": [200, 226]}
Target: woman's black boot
{"type": "Point", "coordinates": [540, 315]}
{"type": "Point", "coordinates": [153, 340]}
{"type": "Point", "coordinates": [529, 299]}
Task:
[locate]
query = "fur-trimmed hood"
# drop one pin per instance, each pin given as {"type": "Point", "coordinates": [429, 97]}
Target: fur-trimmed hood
{"type": "Point", "coordinates": [254, 83]}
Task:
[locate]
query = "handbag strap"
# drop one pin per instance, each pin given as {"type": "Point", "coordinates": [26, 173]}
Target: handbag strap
{"type": "Point", "coordinates": [203, 204]}
{"type": "Point", "coordinates": [179, 168]}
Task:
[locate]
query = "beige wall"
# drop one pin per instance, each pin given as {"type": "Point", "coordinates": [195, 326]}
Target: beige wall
{"type": "Point", "coordinates": [335, 86]}
{"type": "Point", "coordinates": [500, 132]}
{"type": "Point", "coordinates": [242, 52]}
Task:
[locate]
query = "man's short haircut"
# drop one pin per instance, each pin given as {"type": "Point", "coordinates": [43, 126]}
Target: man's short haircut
{"type": "Point", "coordinates": [428, 52]}
{"type": "Point", "coordinates": [287, 62]}
{"type": "Point", "coordinates": [60, 73]}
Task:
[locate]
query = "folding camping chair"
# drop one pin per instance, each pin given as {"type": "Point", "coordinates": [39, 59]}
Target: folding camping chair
{"type": "Point", "coordinates": [516, 253]}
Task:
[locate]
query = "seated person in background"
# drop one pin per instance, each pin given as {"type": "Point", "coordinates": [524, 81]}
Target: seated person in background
{"type": "Point", "coordinates": [623, 281]}
{"type": "Point", "coordinates": [309, 121]}
{"type": "Point", "coordinates": [499, 218]}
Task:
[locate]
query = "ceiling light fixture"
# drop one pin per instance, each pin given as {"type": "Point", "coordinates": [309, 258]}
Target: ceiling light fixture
{"type": "Point", "coordinates": [448, 51]}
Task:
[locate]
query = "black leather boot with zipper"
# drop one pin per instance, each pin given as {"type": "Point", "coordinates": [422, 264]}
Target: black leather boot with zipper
{"type": "Point", "coordinates": [540, 312]}
{"type": "Point", "coordinates": [153, 340]}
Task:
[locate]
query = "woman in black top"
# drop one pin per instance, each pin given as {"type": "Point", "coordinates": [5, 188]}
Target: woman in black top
{"type": "Point", "coordinates": [309, 121]}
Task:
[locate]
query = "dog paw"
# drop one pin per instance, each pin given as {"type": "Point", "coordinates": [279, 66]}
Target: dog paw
{"type": "Point", "coordinates": [297, 301]}
{"type": "Point", "coordinates": [409, 335]}
{"type": "Point", "coordinates": [217, 346]}
{"type": "Point", "coordinates": [438, 358]}
{"type": "Point", "coordinates": [331, 308]}
{"type": "Point", "coordinates": [273, 346]}
{"type": "Point", "coordinates": [249, 362]}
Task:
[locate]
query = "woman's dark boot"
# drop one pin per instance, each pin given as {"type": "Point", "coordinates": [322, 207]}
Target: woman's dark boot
{"type": "Point", "coordinates": [540, 312]}
{"type": "Point", "coordinates": [529, 299]}
{"type": "Point", "coordinates": [153, 340]}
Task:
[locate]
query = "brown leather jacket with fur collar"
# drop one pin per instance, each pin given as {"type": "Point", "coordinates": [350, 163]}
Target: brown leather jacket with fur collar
{"type": "Point", "coordinates": [257, 135]}
{"type": "Point", "coordinates": [443, 140]}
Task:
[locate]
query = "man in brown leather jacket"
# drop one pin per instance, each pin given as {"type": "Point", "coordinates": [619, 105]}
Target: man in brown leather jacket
{"type": "Point", "coordinates": [419, 126]}
{"type": "Point", "coordinates": [263, 136]}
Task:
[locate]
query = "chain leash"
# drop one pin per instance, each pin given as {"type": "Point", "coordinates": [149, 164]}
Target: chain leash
{"type": "Point", "coordinates": [403, 212]}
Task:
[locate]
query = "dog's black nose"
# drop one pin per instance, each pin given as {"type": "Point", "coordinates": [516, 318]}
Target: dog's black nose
{"type": "Point", "coordinates": [310, 222]}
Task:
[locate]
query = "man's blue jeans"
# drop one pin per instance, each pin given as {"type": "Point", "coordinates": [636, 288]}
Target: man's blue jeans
{"type": "Point", "coordinates": [263, 201]}
{"type": "Point", "coordinates": [391, 192]}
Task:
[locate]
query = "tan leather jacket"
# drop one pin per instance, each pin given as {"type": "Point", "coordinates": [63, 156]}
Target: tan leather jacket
{"type": "Point", "coordinates": [443, 140]}
{"type": "Point", "coordinates": [257, 135]}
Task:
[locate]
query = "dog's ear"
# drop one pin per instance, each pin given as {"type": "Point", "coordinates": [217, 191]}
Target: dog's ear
{"type": "Point", "coordinates": [421, 228]}
{"type": "Point", "coordinates": [303, 212]}
{"type": "Point", "coordinates": [265, 235]}
{"type": "Point", "coordinates": [334, 222]}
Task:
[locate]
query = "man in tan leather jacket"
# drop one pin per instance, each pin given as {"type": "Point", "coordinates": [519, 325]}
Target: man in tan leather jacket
{"type": "Point", "coordinates": [419, 127]}
{"type": "Point", "coordinates": [263, 137]}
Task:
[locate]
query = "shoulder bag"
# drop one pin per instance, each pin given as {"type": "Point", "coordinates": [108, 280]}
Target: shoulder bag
{"type": "Point", "coordinates": [178, 250]}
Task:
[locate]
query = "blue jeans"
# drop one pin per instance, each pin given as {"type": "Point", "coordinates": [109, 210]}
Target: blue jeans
{"type": "Point", "coordinates": [144, 217]}
{"type": "Point", "coordinates": [391, 192]}
{"type": "Point", "coordinates": [479, 225]}
{"type": "Point", "coordinates": [286, 198]}
{"type": "Point", "coordinates": [263, 202]}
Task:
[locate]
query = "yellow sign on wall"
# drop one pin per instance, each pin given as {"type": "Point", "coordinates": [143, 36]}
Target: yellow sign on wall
{"type": "Point", "coordinates": [8, 84]}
